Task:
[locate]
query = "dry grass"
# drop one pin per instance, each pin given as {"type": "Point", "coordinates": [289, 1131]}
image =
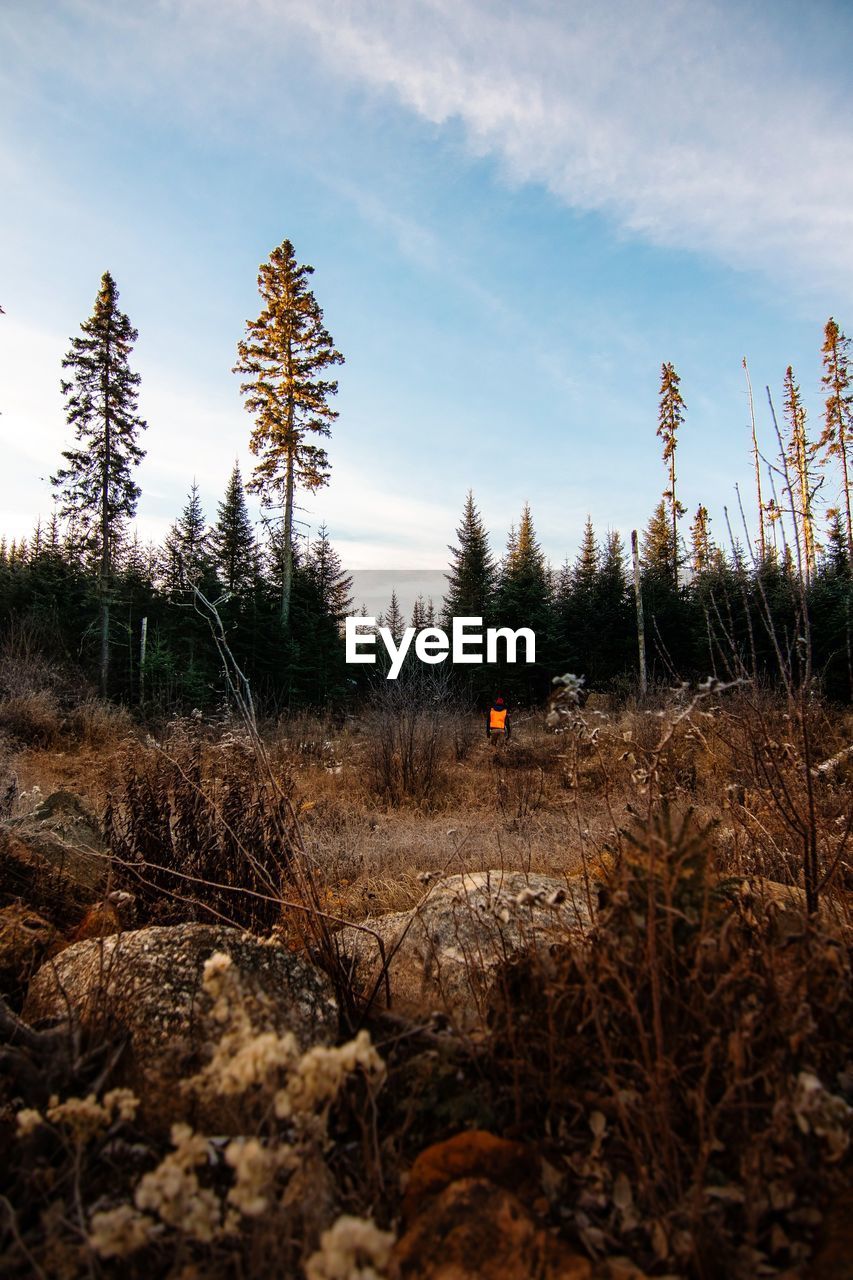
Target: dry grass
{"type": "Point", "coordinates": [667, 1067]}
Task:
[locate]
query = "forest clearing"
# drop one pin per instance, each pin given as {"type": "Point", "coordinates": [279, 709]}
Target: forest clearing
{"type": "Point", "coordinates": [426, 683]}
{"type": "Point", "coordinates": [581, 1002]}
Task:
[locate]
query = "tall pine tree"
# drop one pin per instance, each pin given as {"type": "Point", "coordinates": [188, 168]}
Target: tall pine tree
{"type": "Point", "coordinates": [670, 418]}
{"type": "Point", "coordinates": [284, 358]}
{"type": "Point", "coordinates": [837, 438]}
{"type": "Point", "coordinates": [471, 580]}
{"type": "Point", "coordinates": [101, 402]}
{"type": "Point", "coordinates": [799, 460]}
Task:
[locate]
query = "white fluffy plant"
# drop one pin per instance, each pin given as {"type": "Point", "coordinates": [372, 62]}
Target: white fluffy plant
{"type": "Point", "coordinates": [269, 1072]}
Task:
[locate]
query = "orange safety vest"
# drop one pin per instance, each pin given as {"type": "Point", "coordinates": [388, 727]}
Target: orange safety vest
{"type": "Point", "coordinates": [497, 719]}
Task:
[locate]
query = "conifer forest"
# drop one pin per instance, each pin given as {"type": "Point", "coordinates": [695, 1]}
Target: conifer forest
{"type": "Point", "coordinates": [503, 931]}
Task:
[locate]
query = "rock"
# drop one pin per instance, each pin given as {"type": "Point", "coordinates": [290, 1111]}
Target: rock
{"type": "Point", "coordinates": [475, 1230]}
{"type": "Point", "coordinates": [25, 939]}
{"type": "Point", "coordinates": [65, 832]}
{"type": "Point", "coordinates": [445, 949]}
{"type": "Point", "coordinates": [27, 875]}
{"type": "Point", "coordinates": [146, 987]}
{"type": "Point", "coordinates": [474, 1154]}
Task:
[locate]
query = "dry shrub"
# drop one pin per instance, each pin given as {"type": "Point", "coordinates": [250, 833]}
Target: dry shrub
{"type": "Point", "coordinates": [685, 1064]}
{"type": "Point", "coordinates": [97, 725]}
{"type": "Point", "coordinates": [201, 825]}
{"type": "Point", "coordinates": [784, 766]}
{"type": "Point", "coordinates": [519, 786]}
{"type": "Point", "coordinates": [411, 723]}
{"type": "Point", "coordinates": [86, 1191]}
{"type": "Point", "coordinates": [31, 719]}
{"type": "Point", "coordinates": [24, 669]}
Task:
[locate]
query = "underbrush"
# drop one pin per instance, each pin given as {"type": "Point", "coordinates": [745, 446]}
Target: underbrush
{"type": "Point", "coordinates": [87, 1191]}
{"type": "Point", "coordinates": [198, 831]}
{"type": "Point", "coordinates": [686, 1068]}
{"type": "Point", "coordinates": [683, 1070]}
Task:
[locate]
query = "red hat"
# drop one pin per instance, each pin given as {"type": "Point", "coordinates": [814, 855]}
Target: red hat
{"type": "Point", "coordinates": [499, 698]}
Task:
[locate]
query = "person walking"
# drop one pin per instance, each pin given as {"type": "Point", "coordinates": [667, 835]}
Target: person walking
{"type": "Point", "coordinates": [498, 723]}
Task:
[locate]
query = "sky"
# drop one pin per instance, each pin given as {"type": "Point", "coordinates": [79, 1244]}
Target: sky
{"type": "Point", "coordinates": [515, 211]}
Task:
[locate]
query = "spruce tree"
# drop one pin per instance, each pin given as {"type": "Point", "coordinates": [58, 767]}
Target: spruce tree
{"type": "Point", "coordinates": [700, 540]}
{"type": "Point", "coordinates": [670, 418]}
{"type": "Point", "coordinates": [471, 579]}
{"type": "Point", "coordinates": [418, 614]}
{"type": "Point", "coordinates": [524, 599]}
{"type": "Point", "coordinates": [334, 585]}
{"type": "Point", "coordinates": [524, 594]}
{"type": "Point", "coordinates": [232, 542]}
{"type": "Point", "coordinates": [393, 619]}
{"type": "Point", "coordinates": [837, 438]}
{"type": "Point", "coordinates": [799, 458]}
{"type": "Point", "coordinates": [101, 395]}
{"type": "Point", "coordinates": [187, 550]}
{"type": "Point", "coordinates": [838, 558]}
{"type": "Point", "coordinates": [585, 571]}
{"type": "Point", "coordinates": [658, 555]}
{"type": "Point", "coordinates": [574, 599]}
{"type": "Point", "coordinates": [613, 612]}
{"type": "Point", "coordinates": [284, 357]}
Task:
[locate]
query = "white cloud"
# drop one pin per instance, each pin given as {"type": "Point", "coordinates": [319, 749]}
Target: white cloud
{"type": "Point", "coordinates": [689, 124]}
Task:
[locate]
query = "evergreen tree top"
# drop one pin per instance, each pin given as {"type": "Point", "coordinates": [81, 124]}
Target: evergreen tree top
{"type": "Point", "coordinates": [101, 402]}
{"type": "Point", "coordinates": [283, 357]}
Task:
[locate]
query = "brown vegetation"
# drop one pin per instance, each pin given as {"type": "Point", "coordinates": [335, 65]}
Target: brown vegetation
{"type": "Point", "coordinates": [678, 1079]}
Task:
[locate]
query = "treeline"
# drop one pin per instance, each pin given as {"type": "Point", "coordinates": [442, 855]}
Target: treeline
{"type": "Point", "coordinates": [133, 618]}
{"type": "Point", "coordinates": [707, 610]}
{"type": "Point", "coordinates": [50, 602]}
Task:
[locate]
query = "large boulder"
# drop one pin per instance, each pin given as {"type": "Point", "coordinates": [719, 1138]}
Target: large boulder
{"type": "Point", "coordinates": [144, 989]}
{"type": "Point", "coordinates": [442, 953]}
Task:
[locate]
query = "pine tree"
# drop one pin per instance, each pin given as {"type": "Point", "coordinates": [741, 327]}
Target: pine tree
{"type": "Point", "coordinates": [283, 357]}
{"type": "Point", "coordinates": [613, 613]}
{"type": "Point", "coordinates": [837, 554]}
{"type": "Point", "coordinates": [837, 438]}
{"type": "Point", "coordinates": [472, 578]}
{"type": "Point", "coordinates": [101, 395]}
{"type": "Point", "coordinates": [670, 418]}
{"type": "Point", "coordinates": [53, 541]}
{"type": "Point", "coordinates": [586, 567]}
{"type": "Point", "coordinates": [523, 599]}
{"type": "Point", "coordinates": [700, 540]}
{"type": "Point", "coordinates": [799, 457]}
{"type": "Point", "coordinates": [334, 585]}
{"type": "Point", "coordinates": [612, 576]}
{"type": "Point", "coordinates": [418, 614]}
{"type": "Point", "coordinates": [658, 555]}
{"type": "Point", "coordinates": [524, 596]}
{"type": "Point", "coordinates": [187, 555]}
{"type": "Point", "coordinates": [393, 618]}
{"type": "Point", "coordinates": [233, 545]}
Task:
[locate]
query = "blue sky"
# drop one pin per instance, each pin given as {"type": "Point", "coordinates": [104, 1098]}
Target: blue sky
{"type": "Point", "coordinates": [516, 212]}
